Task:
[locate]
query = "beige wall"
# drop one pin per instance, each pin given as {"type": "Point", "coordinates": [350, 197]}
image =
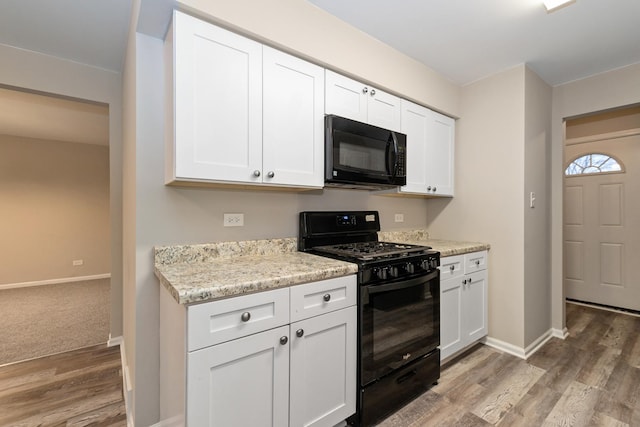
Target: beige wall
{"type": "Point", "coordinates": [537, 272]}
{"type": "Point", "coordinates": [598, 93]}
{"type": "Point", "coordinates": [489, 205]}
{"type": "Point", "coordinates": [31, 70]}
{"type": "Point", "coordinates": [55, 209]}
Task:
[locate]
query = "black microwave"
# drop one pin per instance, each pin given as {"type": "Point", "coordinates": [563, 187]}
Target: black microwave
{"type": "Point", "coordinates": [363, 156]}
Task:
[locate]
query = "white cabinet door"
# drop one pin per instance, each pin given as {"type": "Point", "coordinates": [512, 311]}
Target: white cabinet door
{"type": "Point", "coordinates": [474, 306]}
{"type": "Point", "coordinates": [430, 138]}
{"type": "Point", "coordinates": [244, 382]}
{"type": "Point", "coordinates": [383, 110]}
{"type": "Point", "coordinates": [345, 97]}
{"type": "Point", "coordinates": [463, 301]}
{"type": "Point", "coordinates": [323, 369]}
{"type": "Point", "coordinates": [357, 101]}
{"type": "Point", "coordinates": [293, 119]}
{"type": "Point", "coordinates": [440, 153]}
{"type": "Point", "coordinates": [451, 335]}
{"type": "Point", "coordinates": [416, 124]}
{"type": "Point", "coordinates": [217, 77]}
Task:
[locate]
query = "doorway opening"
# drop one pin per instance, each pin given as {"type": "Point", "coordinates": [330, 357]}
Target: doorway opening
{"type": "Point", "coordinates": [601, 218]}
{"type": "Point", "coordinates": [56, 249]}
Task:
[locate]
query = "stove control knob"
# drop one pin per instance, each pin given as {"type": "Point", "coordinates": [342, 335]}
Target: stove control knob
{"type": "Point", "coordinates": [393, 271]}
{"type": "Point", "coordinates": [425, 264]}
{"type": "Point", "coordinates": [433, 262]}
{"type": "Point", "coordinates": [410, 268]}
{"type": "Point", "coordinates": [381, 273]}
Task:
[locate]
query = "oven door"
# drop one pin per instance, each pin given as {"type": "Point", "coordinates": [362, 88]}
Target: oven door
{"type": "Point", "coordinates": [400, 322]}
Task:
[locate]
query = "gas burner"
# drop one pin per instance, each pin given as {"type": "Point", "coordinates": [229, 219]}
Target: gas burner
{"type": "Point", "coordinates": [371, 250]}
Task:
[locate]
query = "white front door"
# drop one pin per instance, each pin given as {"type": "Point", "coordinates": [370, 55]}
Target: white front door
{"type": "Point", "coordinates": [602, 227]}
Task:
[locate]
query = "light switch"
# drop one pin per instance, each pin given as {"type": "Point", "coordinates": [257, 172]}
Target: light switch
{"type": "Point", "coordinates": [532, 200]}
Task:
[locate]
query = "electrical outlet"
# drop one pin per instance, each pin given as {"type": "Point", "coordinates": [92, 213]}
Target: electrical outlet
{"type": "Point", "coordinates": [399, 218]}
{"type": "Point", "coordinates": [77, 262]}
{"type": "Point", "coordinates": [233, 220]}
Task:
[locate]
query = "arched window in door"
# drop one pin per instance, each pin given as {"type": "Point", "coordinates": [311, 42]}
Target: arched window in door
{"type": "Point", "coordinates": [592, 163]}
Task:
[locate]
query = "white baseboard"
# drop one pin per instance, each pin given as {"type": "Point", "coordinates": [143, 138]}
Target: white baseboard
{"type": "Point", "coordinates": [505, 347]}
{"type": "Point", "coordinates": [127, 388]}
{"type": "Point", "coordinates": [522, 353]}
{"type": "Point", "coordinates": [55, 281]}
{"type": "Point", "coordinates": [560, 333]}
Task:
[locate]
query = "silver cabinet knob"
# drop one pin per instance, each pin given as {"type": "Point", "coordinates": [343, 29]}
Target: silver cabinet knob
{"type": "Point", "coordinates": [271, 174]}
{"type": "Point", "coordinates": [284, 340]}
{"type": "Point", "coordinates": [256, 172]}
{"type": "Point", "coordinates": [245, 316]}
{"type": "Point", "coordinates": [327, 297]}
{"type": "Point", "coordinates": [365, 89]}
{"type": "Point", "coordinates": [452, 267]}
{"type": "Point", "coordinates": [300, 333]}
{"type": "Point", "coordinates": [434, 189]}
{"type": "Point", "coordinates": [373, 92]}
{"type": "Point", "coordinates": [477, 262]}
{"type": "Point", "coordinates": [429, 188]}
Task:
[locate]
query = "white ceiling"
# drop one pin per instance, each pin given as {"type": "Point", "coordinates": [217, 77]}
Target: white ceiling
{"type": "Point", "coordinates": [464, 40]}
{"type": "Point", "coordinates": [467, 40]}
{"type": "Point", "coordinates": [91, 32]}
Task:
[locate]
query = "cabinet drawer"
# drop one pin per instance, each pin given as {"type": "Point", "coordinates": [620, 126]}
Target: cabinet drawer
{"type": "Point", "coordinates": [451, 266]}
{"type": "Point", "coordinates": [224, 320]}
{"type": "Point", "coordinates": [316, 298]}
{"type": "Point", "coordinates": [475, 261]}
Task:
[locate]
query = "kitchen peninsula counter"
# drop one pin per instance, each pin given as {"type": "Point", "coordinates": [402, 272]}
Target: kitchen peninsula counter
{"type": "Point", "coordinates": [206, 272]}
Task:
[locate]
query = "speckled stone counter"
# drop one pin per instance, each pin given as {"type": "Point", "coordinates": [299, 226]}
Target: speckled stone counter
{"type": "Point", "coordinates": [421, 237]}
{"type": "Point", "coordinates": [196, 273]}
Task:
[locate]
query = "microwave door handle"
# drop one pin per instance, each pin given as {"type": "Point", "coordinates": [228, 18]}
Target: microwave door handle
{"type": "Point", "coordinates": [393, 169]}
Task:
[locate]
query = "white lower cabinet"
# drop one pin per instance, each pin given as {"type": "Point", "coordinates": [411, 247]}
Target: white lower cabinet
{"type": "Point", "coordinates": [244, 382]}
{"type": "Point", "coordinates": [463, 301]}
{"type": "Point", "coordinates": [300, 371]}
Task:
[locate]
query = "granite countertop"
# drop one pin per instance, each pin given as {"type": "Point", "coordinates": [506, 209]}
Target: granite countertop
{"type": "Point", "coordinates": [421, 237]}
{"type": "Point", "coordinates": [197, 273]}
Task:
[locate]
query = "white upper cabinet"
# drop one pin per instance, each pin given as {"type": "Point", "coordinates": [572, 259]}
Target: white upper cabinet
{"type": "Point", "coordinates": [430, 139]}
{"type": "Point", "coordinates": [357, 101]}
{"type": "Point", "coordinates": [440, 151]}
{"type": "Point", "coordinates": [242, 112]}
{"type": "Point", "coordinates": [293, 120]}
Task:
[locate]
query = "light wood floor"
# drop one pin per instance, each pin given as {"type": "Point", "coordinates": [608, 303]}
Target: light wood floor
{"type": "Point", "coordinates": [78, 388]}
{"type": "Point", "coordinates": [590, 379]}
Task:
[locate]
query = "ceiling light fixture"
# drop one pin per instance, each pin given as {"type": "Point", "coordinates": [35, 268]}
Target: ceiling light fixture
{"type": "Point", "coordinates": [553, 5]}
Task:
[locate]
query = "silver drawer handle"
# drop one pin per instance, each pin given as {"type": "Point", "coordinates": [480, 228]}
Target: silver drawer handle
{"type": "Point", "coordinates": [452, 267]}
{"type": "Point", "coordinates": [245, 316]}
{"type": "Point", "coordinates": [477, 262]}
{"type": "Point", "coordinates": [284, 340]}
{"type": "Point", "coordinates": [300, 333]}
{"type": "Point", "coordinates": [327, 297]}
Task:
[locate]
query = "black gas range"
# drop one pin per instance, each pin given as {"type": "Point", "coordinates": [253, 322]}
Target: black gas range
{"type": "Point", "coordinates": [398, 308]}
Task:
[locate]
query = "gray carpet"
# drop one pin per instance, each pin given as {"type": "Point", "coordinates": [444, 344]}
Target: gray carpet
{"type": "Point", "coordinates": [42, 320]}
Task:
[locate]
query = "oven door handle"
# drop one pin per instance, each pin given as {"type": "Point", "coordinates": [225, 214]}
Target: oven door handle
{"type": "Point", "coordinates": [376, 289]}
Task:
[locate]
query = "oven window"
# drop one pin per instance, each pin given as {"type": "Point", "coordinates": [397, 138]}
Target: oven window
{"type": "Point", "coordinates": [360, 152]}
{"type": "Point", "coordinates": [399, 326]}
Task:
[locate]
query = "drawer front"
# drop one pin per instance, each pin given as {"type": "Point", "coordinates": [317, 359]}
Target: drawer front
{"type": "Point", "coordinates": [312, 299]}
{"type": "Point", "coordinates": [224, 320]}
{"type": "Point", "coordinates": [451, 267]}
{"type": "Point", "coordinates": [475, 261]}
